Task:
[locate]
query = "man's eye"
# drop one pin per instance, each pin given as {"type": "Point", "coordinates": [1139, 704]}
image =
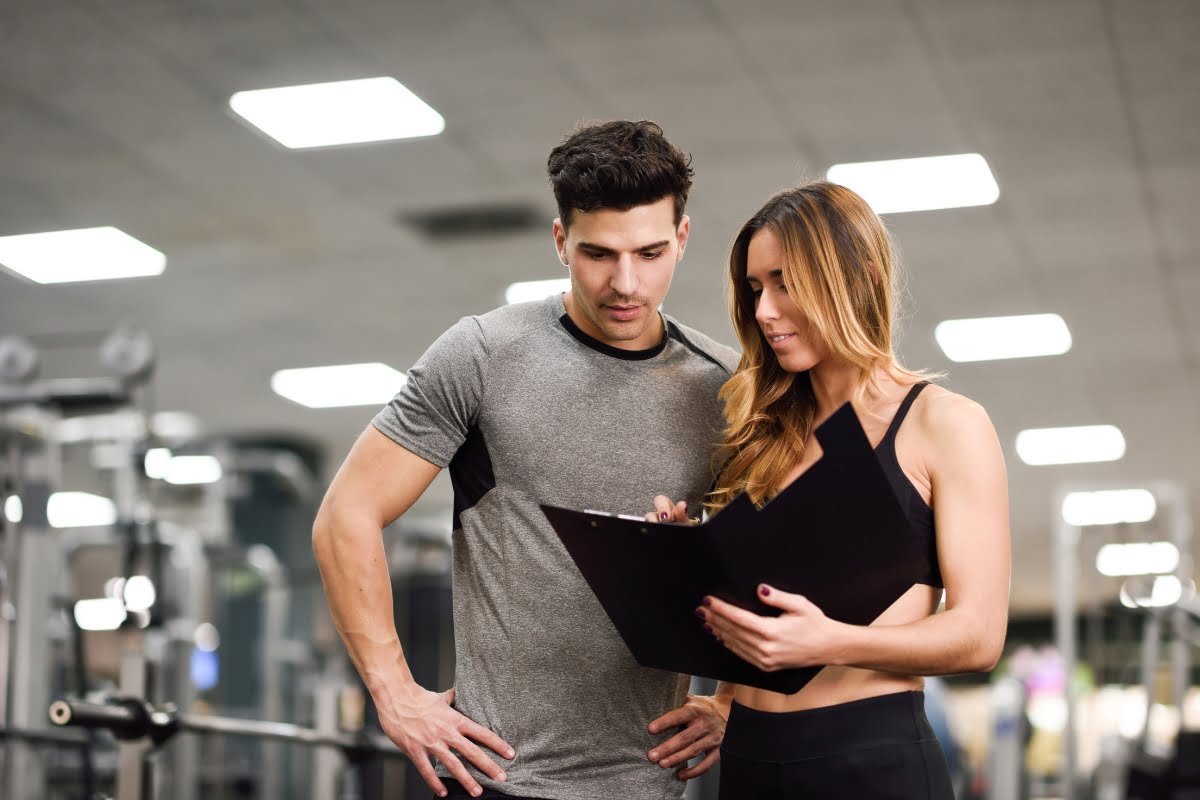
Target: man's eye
{"type": "Point", "coordinates": [597, 256]}
{"type": "Point", "coordinates": [652, 254]}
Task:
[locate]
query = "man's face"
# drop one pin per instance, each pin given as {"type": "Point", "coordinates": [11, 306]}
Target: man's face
{"type": "Point", "coordinates": [621, 263]}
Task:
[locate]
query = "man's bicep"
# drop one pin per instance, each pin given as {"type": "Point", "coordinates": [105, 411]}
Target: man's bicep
{"type": "Point", "coordinates": [379, 479]}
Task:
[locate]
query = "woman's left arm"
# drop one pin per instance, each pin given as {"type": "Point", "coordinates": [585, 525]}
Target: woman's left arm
{"type": "Point", "coordinates": [970, 501]}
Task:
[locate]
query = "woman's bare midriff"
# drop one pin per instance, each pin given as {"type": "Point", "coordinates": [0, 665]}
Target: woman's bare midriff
{"type": "Point", "coordinates": [834, 685]}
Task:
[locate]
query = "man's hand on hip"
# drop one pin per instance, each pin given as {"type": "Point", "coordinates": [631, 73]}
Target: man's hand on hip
{"type": "Point", "coordinates": [425, 726]}
{"type": "Point", "coordinates": [703, 721]}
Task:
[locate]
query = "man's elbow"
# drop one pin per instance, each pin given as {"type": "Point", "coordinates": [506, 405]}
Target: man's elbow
{"type": "Point", "coordinates": [322, 530]}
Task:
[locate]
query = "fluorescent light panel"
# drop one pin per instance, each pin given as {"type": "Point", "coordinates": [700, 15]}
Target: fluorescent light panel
{"type": "Point", "coordinates": [1137, 558]}
{"type": "Point", "coordinates": [101, 614]}
{"type": "Point", "coordinates": [920, 184]}
{"type": "Point", "coordinates": [1081, 444]}
{"type": "Point", "coordinates": [139, 593]}
{"type": "Point", "coordinates": [525, 291]}
{"type": "Point", "coordinates": [79, 510]}
{"type": "Point", "coordinates": [993, 338]}
{"type": "Point", "coordinates": [13, 510]}
{"type": "Point", "coordinates": [1167, 590]}
{"type": "Point", "coordinates": [1108, 507]}
{"type": "Point", "coordinates": [343, 112]}
{"type": "Point", "coordinates": [158, 459]}
{"type": "Point", "coordinates": [186, 470]}
{"type": "Point", "coordinates": [181, 470]}
{"type": "Point", "coordinates": [337, 386]}
{"type": "Point", "coordinates": [86, 254]}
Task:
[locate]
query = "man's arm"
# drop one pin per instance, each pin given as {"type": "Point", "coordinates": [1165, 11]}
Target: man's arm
{"type": "Point", "coordinates": [378, 482]}
{"type": "Point", "coordinates": [703, 721]}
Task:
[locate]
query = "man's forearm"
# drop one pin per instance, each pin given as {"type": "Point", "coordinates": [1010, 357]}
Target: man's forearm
{"type": "Point", "coordinates": [353, 565]}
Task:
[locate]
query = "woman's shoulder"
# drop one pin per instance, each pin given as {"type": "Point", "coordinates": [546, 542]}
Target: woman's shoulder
{"type": "Point", "coordinates": [951, 420]}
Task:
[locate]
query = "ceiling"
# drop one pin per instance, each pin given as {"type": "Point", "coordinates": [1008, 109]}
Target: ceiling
{"type": "Point", "coordinates": [117, 113]}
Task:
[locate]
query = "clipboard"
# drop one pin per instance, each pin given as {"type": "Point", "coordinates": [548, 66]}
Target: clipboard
{"type": "Point", "coordinates": [836, 535]}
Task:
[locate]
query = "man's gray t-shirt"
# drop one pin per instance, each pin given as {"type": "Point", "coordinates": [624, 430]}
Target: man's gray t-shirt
{"type": "Point", "coordinates": [525, 408]}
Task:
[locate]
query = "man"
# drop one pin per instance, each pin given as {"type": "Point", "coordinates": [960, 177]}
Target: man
{"type": "Point", "coordinates": [591, 399]}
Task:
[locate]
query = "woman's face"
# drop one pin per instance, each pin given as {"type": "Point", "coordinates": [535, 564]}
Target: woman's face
{"type": "Point", "coordinates": [796, 343]}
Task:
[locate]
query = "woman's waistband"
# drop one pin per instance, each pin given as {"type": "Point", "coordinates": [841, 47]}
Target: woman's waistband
{"type": "Point", "coordinates": [817, 732]}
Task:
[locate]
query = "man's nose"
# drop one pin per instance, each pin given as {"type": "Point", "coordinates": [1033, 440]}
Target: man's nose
{"type": "Point", "coordinates": [624, 279]}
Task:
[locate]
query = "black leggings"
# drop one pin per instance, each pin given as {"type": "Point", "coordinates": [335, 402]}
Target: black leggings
{"type": "Point", "coordinates": [880, 748]}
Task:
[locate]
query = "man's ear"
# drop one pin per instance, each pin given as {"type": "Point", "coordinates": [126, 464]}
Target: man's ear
{"type": "Point", "coordinates": [682, 233]}
{"type": "Point", "coordinates": [560, 240]}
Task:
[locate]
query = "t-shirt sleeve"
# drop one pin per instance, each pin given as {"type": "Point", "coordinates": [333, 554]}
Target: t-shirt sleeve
{"type": "Point", "coordinates": [440, 401]}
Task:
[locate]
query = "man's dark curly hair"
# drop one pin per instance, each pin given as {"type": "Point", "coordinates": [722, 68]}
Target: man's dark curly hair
{"type": "Point", "coordinates": [617, 165]}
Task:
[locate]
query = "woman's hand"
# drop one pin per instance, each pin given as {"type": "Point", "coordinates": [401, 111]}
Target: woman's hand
{"type": "Point", "coordinates": [801, 637]}
{"type": "Point", "coordinates": [666, 511]}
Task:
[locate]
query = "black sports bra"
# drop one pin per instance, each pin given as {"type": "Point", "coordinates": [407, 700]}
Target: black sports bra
{"type": "Point", "coordinates": [920, 515]}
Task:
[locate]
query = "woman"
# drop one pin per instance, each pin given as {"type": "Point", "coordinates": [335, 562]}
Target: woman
{"type": "Point", "coordinates": [811, 298]}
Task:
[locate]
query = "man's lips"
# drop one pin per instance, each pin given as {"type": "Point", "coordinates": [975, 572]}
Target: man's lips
{"type": "Point", "coordinates": [622, 312]}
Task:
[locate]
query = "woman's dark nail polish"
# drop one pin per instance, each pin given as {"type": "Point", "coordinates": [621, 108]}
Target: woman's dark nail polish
{"type": "Point", "coordinates": [708, 601]}
{"type": "Point", "coordinates": [664, 516]}
{"type": "Point", "coordinates": [699, 613]}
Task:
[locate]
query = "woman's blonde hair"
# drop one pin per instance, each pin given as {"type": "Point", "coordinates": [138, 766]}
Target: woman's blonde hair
{"type": "Point", "coordinates": [839, 266]}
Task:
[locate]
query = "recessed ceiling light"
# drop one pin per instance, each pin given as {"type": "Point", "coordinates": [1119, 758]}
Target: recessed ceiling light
{"type": "Point", "coordinates": [992, 338]}
{"type": "Point", "coordinates": [13, 509]}
{"type": "Point", "coordinates": [343, 112]}
{"type": "Point", "coordinates": [79, 510]}
{"type": "Point", "coordinates": [1137, 558]}
{"type": "Point", "coordinates": [86, 254]}
{"type": "Point", "coordinates": [524, 291]}
{"type": "Point", "coordinates": [1165, 590]}
{"type": "Point", "coordinates": [341, 385]}
{"type": "Point", "coordinates": [186, 470]}
{"type": "Point", "coordinates": [1077, 445]}
{"type": "Point", "coordinates": [101, 614]}
{"type": "Point", "coordinates": [920, 184]}
{"type": "Point", "coordinates": [139, 593]}
{"type": "Point", "coordinates": [157, 460]}
{"type": "Point", "coordinates": [1108, 507]}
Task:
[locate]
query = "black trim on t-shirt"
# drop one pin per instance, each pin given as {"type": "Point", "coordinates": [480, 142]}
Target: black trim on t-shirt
{"type": "Point", "coordinates": [608, 349]}
{"type": "Point", "coordinates": [471, 473]}
{"type": "Point", "coordinates": [674, 333]}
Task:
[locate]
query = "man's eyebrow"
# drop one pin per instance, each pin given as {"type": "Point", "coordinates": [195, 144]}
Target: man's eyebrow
{"type": "Point", "coordinates": [601, 249]}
